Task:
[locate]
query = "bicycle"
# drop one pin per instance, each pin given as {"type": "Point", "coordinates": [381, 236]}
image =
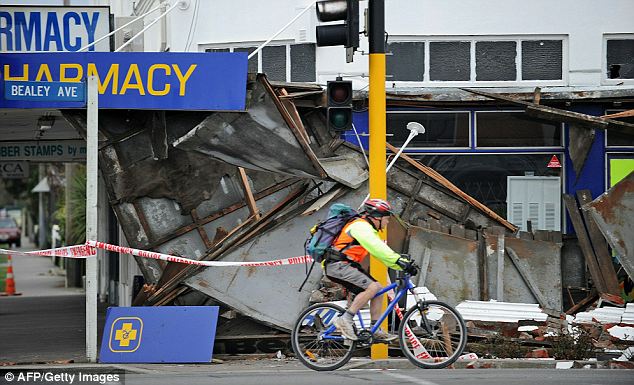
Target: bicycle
{"type": "Point", "coordinates": [432, 334]}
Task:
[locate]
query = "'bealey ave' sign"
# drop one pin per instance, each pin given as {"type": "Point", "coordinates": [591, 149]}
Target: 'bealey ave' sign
{"type": "Point", "coordinates": [133, 80]}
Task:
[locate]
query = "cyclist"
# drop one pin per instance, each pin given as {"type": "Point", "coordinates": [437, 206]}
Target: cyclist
{"type": "Point", "coordinates": [342, 265]}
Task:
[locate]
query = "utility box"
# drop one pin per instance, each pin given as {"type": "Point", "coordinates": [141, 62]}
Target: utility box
{"type": "Point", "coordinates": [536, 199]}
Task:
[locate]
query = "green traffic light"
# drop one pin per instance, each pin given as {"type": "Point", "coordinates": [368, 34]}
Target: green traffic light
{"type": "Point", "coordinates": [339, 119]}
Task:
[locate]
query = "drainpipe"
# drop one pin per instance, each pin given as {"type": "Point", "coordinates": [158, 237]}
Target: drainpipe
{"type": "Point", "coordinates": [163, 27]}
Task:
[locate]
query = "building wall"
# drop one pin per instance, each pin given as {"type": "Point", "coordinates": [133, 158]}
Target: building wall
{"type": "Point", "coordinates": [581, 23]}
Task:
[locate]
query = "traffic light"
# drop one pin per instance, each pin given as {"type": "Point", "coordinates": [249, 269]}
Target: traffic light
{"type": "Point", "coordinates": [346, 34]}
{"type": "Point", "coordinates": [339, 113]}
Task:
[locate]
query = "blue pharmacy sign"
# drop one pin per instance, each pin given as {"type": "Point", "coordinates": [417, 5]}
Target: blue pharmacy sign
{"type": "Point", "coordinates": [176, 334]}
{"type": "Point", "coordinates": [44, 91]}
{"type": "Point", "coordinates": [131, 80]}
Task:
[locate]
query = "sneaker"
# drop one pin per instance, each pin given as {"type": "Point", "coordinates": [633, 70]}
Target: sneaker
{"type": "Point", "coordinates": [346, 328]}
{"type": "Point", "coordinates": [381, 336]}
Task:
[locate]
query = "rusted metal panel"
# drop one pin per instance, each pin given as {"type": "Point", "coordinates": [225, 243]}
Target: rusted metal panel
{"type": "Point", "coordinates": [540, 260]}
{"type": "Point", "coordinates": [613, 212]}
{"type": "Point", "coordinates": [581, 139]}
{"type": "Point", "coordinates": [452, 272]}
{"type": "Point", "coordinates": [258, 139]}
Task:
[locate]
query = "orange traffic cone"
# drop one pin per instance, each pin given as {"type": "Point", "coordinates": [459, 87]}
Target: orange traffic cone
{"type": "Point", "coordinates": [10, 281]}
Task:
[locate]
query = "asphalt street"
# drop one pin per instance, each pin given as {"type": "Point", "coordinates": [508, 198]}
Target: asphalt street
{"type": "Point", "coordinates": [392, 377]}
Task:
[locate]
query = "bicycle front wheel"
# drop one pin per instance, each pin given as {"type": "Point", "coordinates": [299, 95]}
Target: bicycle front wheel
{"type": "Point", "coordinates": [316, 343]}
{"type": "Point", "coordinates": [432, 335]}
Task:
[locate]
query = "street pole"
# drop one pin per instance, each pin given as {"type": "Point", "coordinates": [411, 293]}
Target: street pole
{"type": "Point", "coordinates": [378, 177]}
{"type": "Point", "coordinates": [91, 217]}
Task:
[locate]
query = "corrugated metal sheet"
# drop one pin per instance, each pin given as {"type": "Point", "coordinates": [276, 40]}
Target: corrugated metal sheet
{"type": "Point", "coordinates": [500, 311]}
{"type": "Point", "coordinates": [614, 214]}
{"type": "Point", "coordinates": [602, 315]}
{"type": "Point", "coordinates": [628, 314]}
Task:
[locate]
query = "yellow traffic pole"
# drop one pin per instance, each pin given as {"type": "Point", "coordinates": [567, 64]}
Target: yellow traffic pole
{"type": "Point", "coordinates": [378, 178]}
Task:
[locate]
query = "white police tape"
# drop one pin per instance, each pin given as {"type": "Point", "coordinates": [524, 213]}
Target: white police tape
{"type": "Point", "coordinates": [89, 250]}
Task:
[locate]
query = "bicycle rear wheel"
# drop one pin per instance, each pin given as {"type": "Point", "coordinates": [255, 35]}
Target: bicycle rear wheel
{"type": "Point", "coordinates": [309, 344]}
{"type": "Point", "coordinates": [434, 336]}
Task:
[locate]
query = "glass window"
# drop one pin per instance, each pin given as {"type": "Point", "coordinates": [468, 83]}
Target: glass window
{"type": "Point", "coordinates": [495, 60]}
{"type": "Point", "coordinates": [303, 63]}
{"type": "Point", "coordinates": [442, 129]}
{"type": "Point", "coordinates": [484, 176]}
{"type": "Point", "coordinates": [274, 62]}
{"type": "Point", "coordinates": [406, 62]}
{"type": "Point", "coordinates": [616, 138]}
{"type": "Point", "coordinates": [253, 62]}
{"type": "Point", "coordinates": [450, 60]}
{"type": "Point", "coordinates": [515, 129]}
{"type": "Point", "coordinates": [620, 60]}
{"type": "Point", "coordinates": [542, 59]}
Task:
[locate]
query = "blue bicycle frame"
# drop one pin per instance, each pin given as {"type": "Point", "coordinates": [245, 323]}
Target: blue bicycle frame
{"type": "Point", "coordinates": [408, 286]}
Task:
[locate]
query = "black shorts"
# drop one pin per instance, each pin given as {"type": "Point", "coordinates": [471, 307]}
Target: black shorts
{"type": "Point", "coordinates": [349, 274]}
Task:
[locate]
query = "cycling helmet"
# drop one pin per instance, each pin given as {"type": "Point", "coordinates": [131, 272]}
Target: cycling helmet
{"type": "Point", "coordinates": [377, 208]}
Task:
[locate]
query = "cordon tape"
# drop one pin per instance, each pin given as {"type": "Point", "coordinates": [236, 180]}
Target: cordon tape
{"type": "Point", "coordinates": [90, 250]}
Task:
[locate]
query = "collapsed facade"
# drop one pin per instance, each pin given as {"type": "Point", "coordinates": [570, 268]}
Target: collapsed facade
{"type": "Point", "coordinates": [247, 186]}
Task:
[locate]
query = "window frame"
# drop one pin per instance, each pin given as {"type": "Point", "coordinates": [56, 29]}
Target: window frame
{"type": "Point", "coordinates": [251, 44]}
{"type": "Point", "coordinates": [469, 125]}
{"type": "Point", "coordinates": [475, 133]}
{"type": "Point", "coordinates": [484, 38]}
{"type": "Point", "coordinates": [604, 59]}
{"type": "Point", "coordinates": [608, 148]}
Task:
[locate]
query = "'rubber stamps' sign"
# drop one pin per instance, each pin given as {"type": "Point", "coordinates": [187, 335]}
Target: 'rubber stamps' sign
{"type": "Point", "coordinates": [44, 151]}
{"type": "Point", "coordinates": [130, 80]}
{"type": "Point", "coordinates": [53, 29]}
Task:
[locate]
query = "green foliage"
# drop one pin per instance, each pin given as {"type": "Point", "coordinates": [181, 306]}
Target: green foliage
{"type": "Point", "coordinates": [501, 347]}
{"type": "Point", "coordinates": [78, 203]}
{"type": "Point", "coordinates": [575, 345]}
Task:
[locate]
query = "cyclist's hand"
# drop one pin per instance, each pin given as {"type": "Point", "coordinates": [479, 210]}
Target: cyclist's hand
{"type": "Point", "coordinates": [407, 265]}
{"type": "Point", "coordinates": [412, 269]}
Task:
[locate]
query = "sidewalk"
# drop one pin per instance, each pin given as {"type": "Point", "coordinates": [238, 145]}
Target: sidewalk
{"type": "Point", "coordinates": [46, 322]}
{"type": "Point", "coordinates": [37, 276]}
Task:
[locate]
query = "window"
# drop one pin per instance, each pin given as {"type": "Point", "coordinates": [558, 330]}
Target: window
{"type": "Point", "coordinates": [303, 63]}
{"type": "Point", "coordinates": [620, 58]}
{"type": "Point", "coordinates": [484, 177]}
{"type": "Point", "coordinates": [449, 60]}
{"type": "Point", "coordinates": [515, 129]}
{"type": "Point", "coordinates": [499, 59]}
{"type": "Point", "coordinates": [442, 129]}
{"type": "Point", "coordinates": [495, 60]}
{"type": "Point", "coordinates": [289, 62]}
{"type": "Point", "coordinates": [274, 62]}
{"type": "Point", "coordinates": [406, 61]}
{"type": "Point", "coordinates": [617, 139]}
{"type": "Point", "coordinates": [541, 59]}
{"type": "Point", "coordinates": [253, 62]}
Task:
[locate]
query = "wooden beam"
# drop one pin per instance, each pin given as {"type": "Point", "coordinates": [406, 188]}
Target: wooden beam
{"type": "Point", "coordinates": [453, 188]}
{"type": "Point", "coordinates": [622, 114]}
{"type": "Point", "coordinates": [593, 296]}
{"type": "Point", "coordinates": [537, 95]}
{"type": "Point", "coordinates": [500, 269]}
{"type": "Point", "coordinates": [584, 242]}
{"type": "Point", "coordinates": [559, 115]}
{"type": "Point", "coordinates": [600, 246]}
{"type": "Point", "coordinates": [248, 194]}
